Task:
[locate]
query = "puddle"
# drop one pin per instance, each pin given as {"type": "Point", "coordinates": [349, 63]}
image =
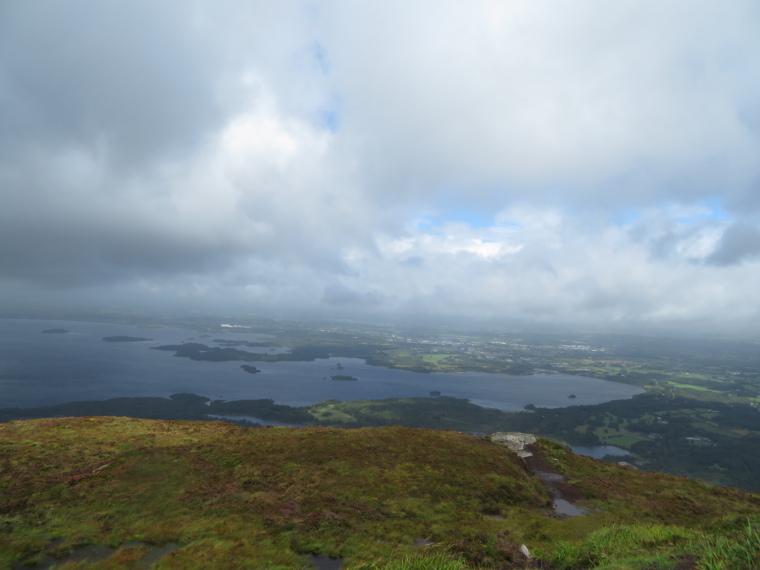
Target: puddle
{"type": "Point", "coordinates": [422, 542]}
{"type": "Point", "coordinates": [78, 554]}
{"type": "Point", "coordinates": [563, 494]}
{"type": "Point", "coordinates": [94, 553]}
{"type": "Point", "coordinates": [550, 477]}
{"type": "Point", "coordinates": [325, 562]}
{"type": "Point", "coordinates": [567, 509]}
{"type": "Point", "coordinates": [156, 553]}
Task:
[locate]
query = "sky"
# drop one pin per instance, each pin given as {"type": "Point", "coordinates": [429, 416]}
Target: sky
{"type": "Point", "coordinates": [557, 162]}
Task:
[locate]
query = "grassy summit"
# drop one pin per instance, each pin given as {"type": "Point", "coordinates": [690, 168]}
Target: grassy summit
{"type": "Point", "coordinates": [130, 493]}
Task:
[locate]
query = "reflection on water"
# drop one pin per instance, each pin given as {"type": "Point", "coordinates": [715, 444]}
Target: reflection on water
{"type": "Point", "coordinates": [555, 482]}
{"type": "Point", "coordinates": [325, 563]}
{"type": "Point", "coordinates": [95, 552]}
{"type": "Point", "coordinates": [567, 509]}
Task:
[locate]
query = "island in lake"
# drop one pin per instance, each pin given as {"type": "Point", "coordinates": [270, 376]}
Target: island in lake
{"type": "Point", "coordinates": [250, 369]}
{"type": "Point", "coordinates": [121, 338]}
{"type": "Point", "coordinates": [55, 331]}
{"type": "Point", "coordinates": [344, 378]}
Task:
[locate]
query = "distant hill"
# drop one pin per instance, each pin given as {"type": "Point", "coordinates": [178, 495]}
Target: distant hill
{"type": "Point", "coordinates": [128, 493]}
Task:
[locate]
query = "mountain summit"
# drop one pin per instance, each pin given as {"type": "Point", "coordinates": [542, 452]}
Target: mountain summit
{"type": "Point", "coordinates": [107, 492]}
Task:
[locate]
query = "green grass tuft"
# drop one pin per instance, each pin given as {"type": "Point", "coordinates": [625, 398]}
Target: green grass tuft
{"type": "Point", "coordinates": [621, 542]}
{"type": "Point", "coordinates": [738, 551]}
{"type": "Point", "coordinates": [436, 561]}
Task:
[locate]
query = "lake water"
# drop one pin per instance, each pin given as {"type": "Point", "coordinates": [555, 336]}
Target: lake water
{"type": "Point", "coordinates": [599, 451]}
{"type": "Point", "coordinates": [38, 369]}
{"type": "Point", "coordinates": [255, 420]}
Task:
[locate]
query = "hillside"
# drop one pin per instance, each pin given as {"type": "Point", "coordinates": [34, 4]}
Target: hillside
{"type": "Point", "coordinates": [107, 492]}
{"type": "Point", "coordinates": [715, 443]}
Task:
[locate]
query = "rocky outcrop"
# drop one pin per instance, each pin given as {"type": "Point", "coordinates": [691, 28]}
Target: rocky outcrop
{"type": "Point", "coordinates": [515, 441]}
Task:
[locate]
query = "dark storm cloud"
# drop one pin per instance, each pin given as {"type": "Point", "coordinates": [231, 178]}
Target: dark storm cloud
{"type": "Point", "coordinates": [64, 256]}
{"type": "Point", "coordinates": [97, 101]}
{"type": "Point", "coordinates": [128, 80]}
{"type": "Point", "coordinates": [740, 242]}
{"type": "Point", "coordinates": [340, 296]}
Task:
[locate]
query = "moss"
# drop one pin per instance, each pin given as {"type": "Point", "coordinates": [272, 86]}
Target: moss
{"type": "Point", "coordinates": [269, 496]}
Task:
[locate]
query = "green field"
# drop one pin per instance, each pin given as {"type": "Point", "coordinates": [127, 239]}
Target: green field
{"type": "Point", "coordinates": [692, 387]}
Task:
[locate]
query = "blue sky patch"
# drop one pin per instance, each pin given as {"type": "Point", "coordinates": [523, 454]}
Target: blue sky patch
{"type": "Point", "coordinates": [319, 53]}
{"type": "Point", "coordinates": [330, 120]}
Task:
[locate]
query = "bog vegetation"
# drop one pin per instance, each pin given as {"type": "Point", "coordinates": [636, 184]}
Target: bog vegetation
{"type": "Point", "coordinates": [107, 492]}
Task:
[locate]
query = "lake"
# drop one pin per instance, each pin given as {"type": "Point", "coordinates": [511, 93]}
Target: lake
{"type": "Point", "coordinates": [600, 451]}
{"type": "Point", "coordinates": [39, 369]}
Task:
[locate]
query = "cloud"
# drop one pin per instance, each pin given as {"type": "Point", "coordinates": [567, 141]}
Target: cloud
{"type": "Point", "coordinates": [740, 242]}
{"type": "Point", "coordinates": [618, 103]}
{"type": "Point", "coordinates": [130, 81]}
{"type": "Point", "coordinates": [587, 162]}
{"type": "Point", "coordinates": [339, 296]}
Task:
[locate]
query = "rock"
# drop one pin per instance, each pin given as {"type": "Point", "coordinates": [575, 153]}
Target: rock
{"type": "Point", "coordinates": [515, 441]}
{"type": "Point", "coordinates": [525, 552]}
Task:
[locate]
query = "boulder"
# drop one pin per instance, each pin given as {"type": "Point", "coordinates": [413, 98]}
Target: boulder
{"type": "Point", "coordinates": [525, 552]}
{"type": "Point", "coordinates": [515, 441]}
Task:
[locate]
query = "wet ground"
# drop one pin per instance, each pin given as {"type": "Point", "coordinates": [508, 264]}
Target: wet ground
{"type": "Point", "coordinates": [325, 562]}
{"type": "Point", "coordinates": [564, 495]}
{"type": "Point", "coordinates": [55, 555]}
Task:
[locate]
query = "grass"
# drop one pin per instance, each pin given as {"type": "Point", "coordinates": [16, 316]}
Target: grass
{"type": "Point", "coordinates": [436, 358]}
{"type": "Point", "coordinates": [328, 411]}
{"type": "Point", "coordinates": [625, 441]}
{"type": "Point", "coordinates": [426, 562]}
{"type": "Point", "coordinates": [268, 497]}
{"type": "Point", "coordinates": [619, 437]}
{"type": "Point", "coordinates": [226, 492]}
{"type": "Point", "coordinates": [692, 387]}
{"type": "Point", "coordinates": [398, 352]}
{"type": "Point", "coordinates": [738, 551]}
{"type": "Point", "coordinates": [657, 546]}
{"type": "Point", "coordinates": [643, 544]}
